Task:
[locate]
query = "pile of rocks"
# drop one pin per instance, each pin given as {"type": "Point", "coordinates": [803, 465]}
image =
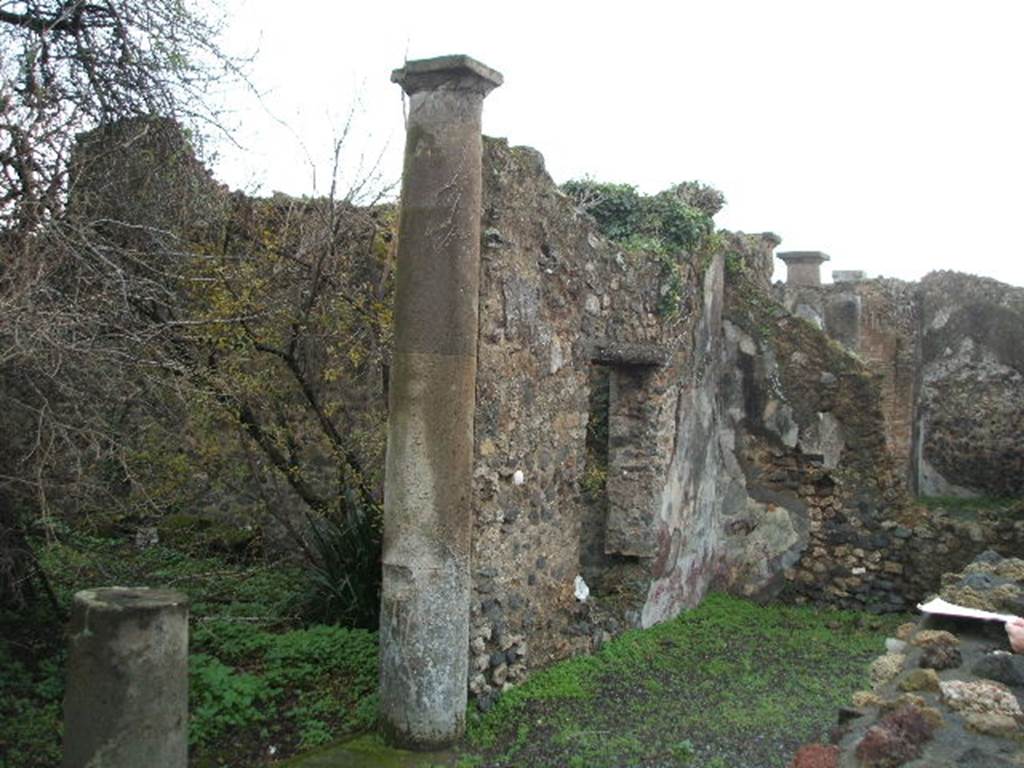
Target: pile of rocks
{"type": "Point", "coordinates": [946, 694]}
{"type": "Point", "coordinates": [496, 664]}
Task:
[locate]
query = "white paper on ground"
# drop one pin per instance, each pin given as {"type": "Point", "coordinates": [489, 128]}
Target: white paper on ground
{"type": "Point", "coordinates": [940, 606]}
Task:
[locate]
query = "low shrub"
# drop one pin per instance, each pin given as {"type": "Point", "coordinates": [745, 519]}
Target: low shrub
{"type": "Point", "coordinates": [345, 576]}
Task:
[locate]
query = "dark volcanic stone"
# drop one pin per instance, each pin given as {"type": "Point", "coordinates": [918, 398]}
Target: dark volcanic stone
{"type": "Point", "coordinates": [977, 758]}
{"type": "Point", "coordinates": [485, 702]}
{"type": "Point", "coordinates": [910, 723]}
{"type": "Point", "coordinates": [989, 557]}
{"type": "Point", "coordinates": [846, 714]}
{"type": "Point", "coordinates": [895, 739]}
{"type": "Point", "coordinates": [1002, 667]}
{"type": "Point", "coordinates": [940, 657]}
{"type": "Point", "coordinates": [978, 581]}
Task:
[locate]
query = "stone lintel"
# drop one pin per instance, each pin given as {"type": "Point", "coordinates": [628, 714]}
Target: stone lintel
{"type": "Point", "coordinates": [629, 354]}
{"type": "Point", "coordinates": [456, 72]}
{"type": "Point", "coordinates": [803, 257]}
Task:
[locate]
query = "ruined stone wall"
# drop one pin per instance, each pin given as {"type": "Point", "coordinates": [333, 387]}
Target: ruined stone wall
{"type": "Point", "coordinates": [820, 490]}
{"type": "Point", "coordinates": [172, 198]}
{"type": "Point", "coordinates": [688, 519]}
{"type": "Point", "coordinates": [971, 401]}
{"type": "Point", "coordinates": [942, 359]}
{"type": "Point", "coordinates": [878, 321]}
{"type": "Point", "coordinates": [947, 352]}
{"type": "Point", "coordinates": [746, 450]}
{"type": "Point", "coordinates": [887, 343]}
{"type": "Point", "coordinates": [558, 301]}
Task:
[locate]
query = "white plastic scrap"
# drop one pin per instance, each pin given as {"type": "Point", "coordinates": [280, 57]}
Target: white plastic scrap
{"type": "Point", "coordinates": [940, 606]}
{"type": "Point", "coordinates": [518, 478]}
{"type": "Point", "coordinates": [582, 590]}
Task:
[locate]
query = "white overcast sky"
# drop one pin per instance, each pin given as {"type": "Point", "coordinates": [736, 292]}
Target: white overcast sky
{"type": "Point", "coordinates": [888, 134]}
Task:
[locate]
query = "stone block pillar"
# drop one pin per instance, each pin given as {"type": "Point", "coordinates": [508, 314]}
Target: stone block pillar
{"type": "Point", "coordinates": [424, 630]}
{"type": "Point", "coordinates": [803, 268]}
{"type": "Point", "coordinates": [127, 691]}
{"type": "Point", "coordinates": [848, 275]}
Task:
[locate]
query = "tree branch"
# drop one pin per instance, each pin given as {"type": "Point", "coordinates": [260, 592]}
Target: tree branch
{"type": "Point", "coordinates": [288, 468]}
{"type": "Point", "coordinates": [62, 22]}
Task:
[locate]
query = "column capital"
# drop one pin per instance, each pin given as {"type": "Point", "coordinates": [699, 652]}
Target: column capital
{"type": "Point", "coordinates": [452, 73]}
{"type": "Point", "coordinates": [803, 257]}
{"type": "Point", "coordinates": [803, 268]}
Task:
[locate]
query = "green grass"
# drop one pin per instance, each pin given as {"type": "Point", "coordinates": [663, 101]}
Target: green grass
{"type": "Point", "coordinates": [976, 509]}
{"type": "Point", "coordinates": [292, 690]}
{"type": "Point", "coordinates": [978, 503]}
{"type": "Point", "coordinates": [729, 683]}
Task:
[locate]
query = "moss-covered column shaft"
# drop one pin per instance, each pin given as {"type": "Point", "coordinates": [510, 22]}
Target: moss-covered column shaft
{"type": "Point", "coordinates": [127, 691]}
{"type": "Point", "coordinates": [424, 629]}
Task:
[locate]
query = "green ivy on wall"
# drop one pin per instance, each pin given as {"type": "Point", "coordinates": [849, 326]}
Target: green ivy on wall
{"type": "Point", "coordinates": [670, 224]}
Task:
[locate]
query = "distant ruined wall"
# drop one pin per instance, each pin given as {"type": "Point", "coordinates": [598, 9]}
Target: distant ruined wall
{"type": "Point", "coordinates": [143, 170]}
{"type": "Point", "coordinates": [970, 419]}
{"type": "Point", "coordinates": [948, 355]}
{"type": "Point", "coordinates": [820, 489]}
{"type": "Point", "coordinates": [878, 321]}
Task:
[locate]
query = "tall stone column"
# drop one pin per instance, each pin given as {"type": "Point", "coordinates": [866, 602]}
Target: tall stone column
{"type": "Point", "coordinates": [127, 694]}
{"type": "Point", "coordinates": [424, 630]}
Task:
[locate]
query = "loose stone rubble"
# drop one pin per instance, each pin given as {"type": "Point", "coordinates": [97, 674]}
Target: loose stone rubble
{"type": "Point", "coordinates": [952, 699]}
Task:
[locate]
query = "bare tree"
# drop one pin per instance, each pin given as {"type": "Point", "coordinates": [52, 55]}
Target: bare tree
{"type": "Point", "coordinates": [70, 65]}
{"type": "Point", "coordinates": [150, 321]}
{"type": "Point", "coordinates": [229, 325]}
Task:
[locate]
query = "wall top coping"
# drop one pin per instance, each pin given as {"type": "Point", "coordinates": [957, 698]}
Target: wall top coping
{"type": "Point", "coordinates": [803, 257]}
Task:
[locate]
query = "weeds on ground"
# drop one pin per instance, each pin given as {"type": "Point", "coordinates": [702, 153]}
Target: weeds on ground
{"type": "Point", "coordinates": [261, 686]}
{"type": "Point", "coordinates": [978, 503]}
{"type": "Point", "coordinates": [729, 683]}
